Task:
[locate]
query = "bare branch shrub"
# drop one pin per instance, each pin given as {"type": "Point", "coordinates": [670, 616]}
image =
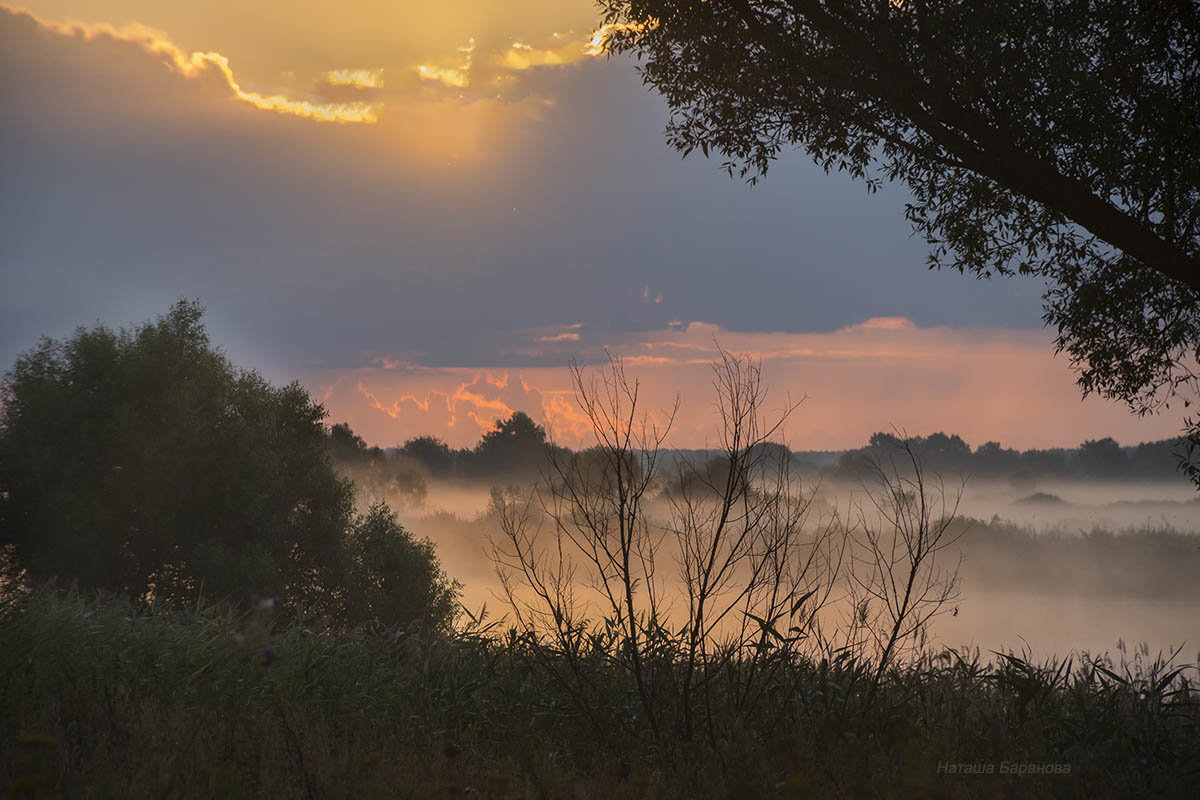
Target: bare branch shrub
{"type": "Point", "coordinates": [748, 560]}
{"type": "Point", "coordinates": [898, 579]}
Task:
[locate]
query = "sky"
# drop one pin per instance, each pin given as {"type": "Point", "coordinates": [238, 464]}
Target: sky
{"type": "Point", "coordinates": [425, 212]}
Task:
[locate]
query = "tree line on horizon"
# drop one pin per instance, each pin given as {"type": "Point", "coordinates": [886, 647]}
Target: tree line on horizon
{"type": "Point", "coordinates": [1094, 459]}
{"type": "Point", "coordinates": [517, 448]}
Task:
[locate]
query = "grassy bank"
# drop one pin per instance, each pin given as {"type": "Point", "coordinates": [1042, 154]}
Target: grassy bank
{"type": "Point", "coordinates": [105, 699]}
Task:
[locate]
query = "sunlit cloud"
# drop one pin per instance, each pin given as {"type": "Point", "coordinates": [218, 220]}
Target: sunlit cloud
{"type": "Point", "coordinates": [470, 104]}
{"type": "Point", "coordinates": [195, 65]}
{"type": "Point", "coordinates": [358, 78]}
{"type": "Point", "coordinates": [498, 70]}
{"type": "Point", "coordinates": [523, 56]}
{"type": "Point", "coordinates": [885, 373]}
{"type": "Point", "coordinates": [457, 75]}
{"type": "Point", "coordinates": [457, 405]}
{"type": "Point", "coordinates": [451, 76]}
{"type": "Point", "coordinates": [598, 43]}
{"type": "Point", "coordinates": [401, 121]}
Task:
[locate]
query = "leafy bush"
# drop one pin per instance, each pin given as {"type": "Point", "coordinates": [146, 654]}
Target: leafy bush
{"type": "Point", "coordinates": [144, 463]}
{"type": "Point", "coordinates": [399, 577]}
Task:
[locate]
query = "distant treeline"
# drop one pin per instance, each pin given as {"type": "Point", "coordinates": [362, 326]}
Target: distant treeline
{"type": "Point", "coordinates": [1099, 459]}
{"type": "Point", "coordinates": [518, 449]}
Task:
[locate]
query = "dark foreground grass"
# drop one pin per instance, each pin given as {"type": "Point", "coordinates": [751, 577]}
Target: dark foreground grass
{"type": "Point", "coordinates": [101, 698]}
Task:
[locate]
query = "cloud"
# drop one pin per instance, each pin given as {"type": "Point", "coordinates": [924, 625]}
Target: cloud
{"type": "Point", "coordinates": [504, 72]}
{"type": "Point", "coordinates": [358, 78]}
{"type": "Point", "coordinates": [200, 66]}
{"type": "Point", "coordinates": [984, 384]}
{"type": "Point", "coordinates": [364, 94]}
{"type": "Point", "coordinates": [397, 403]}
{"type": "Point", "coordinates": [311, 38]}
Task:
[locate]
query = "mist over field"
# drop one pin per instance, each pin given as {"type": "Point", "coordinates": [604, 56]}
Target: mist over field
{"type": "Point", "coordinates": [1051, 566]}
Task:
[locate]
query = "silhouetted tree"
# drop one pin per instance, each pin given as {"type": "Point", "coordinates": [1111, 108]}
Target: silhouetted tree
{"type": "Point", "coordinates": [991, 460]}
{"type": "Point", "coordinates": [345, 444]}
{"type": "Point", "coordinates": [1102, 458]}
{"type": "Point", "coordinates": [1046, 462]}
{"type": "Point", "coordinates": [431, 452]}
{"type": "Point", "coordinates": [516, 445]}
{"type": "Point", "coordinates": [1047, 137]}
{"type": "Point", "coordinates": [144, 463]}
{"type": "Point", "coordinates": [946, 453]}
{"type": "Point", "coordinates": [401, 580]}
{"type": "Point", "coordinates": [937, 452]}
{"type": "Point", "coordinates": [1154, 460]}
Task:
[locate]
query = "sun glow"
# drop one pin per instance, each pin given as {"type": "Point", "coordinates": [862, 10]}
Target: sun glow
{"type": "Point", "coordinates": [447, 75]}
{"type": "Point", "coordinates": [459, 75]}
{"type": "Point", "coordinates": [196, 64]}
{"type": "Point", "coordinates": [522, 56]}
{"type": "Point", "coordinates": [598, 44]}
{"type": "Point", "coordinates": [454, 105]}
{"type": "Point", "coordinates": [358, 78]}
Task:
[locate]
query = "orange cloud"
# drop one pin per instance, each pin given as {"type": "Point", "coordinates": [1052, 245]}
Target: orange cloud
{"type": "Point", "coordinates": [983, 384]}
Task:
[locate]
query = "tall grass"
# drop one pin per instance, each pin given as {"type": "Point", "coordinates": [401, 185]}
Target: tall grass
{"type": "Point", "coordinates": [105, 698]}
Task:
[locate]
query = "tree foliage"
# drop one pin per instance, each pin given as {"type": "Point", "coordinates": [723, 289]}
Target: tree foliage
{"type": "Point", "coordinates": [432, 452]}
{"type": "Point", "coordinates": [1049, 137]}
{"type": "Point", "coordinates": [399, 577]}
{"type": "Point", "coordinates": [144, 463]}
{"type": "Point", "coordinates": [517, 446]}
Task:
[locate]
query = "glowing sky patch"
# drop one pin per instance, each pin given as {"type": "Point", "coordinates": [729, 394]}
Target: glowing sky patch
{"type": "Point", "coordinates": [524, 56]}
{"type": "Point", "coordinates": [598, 42]}
{"type": "Point", "coordinates": [358, 78]}
{"type": "Point", "coordinates": [197, 64]}
{"type": "Point", "coordinates": [494, 70]}
{"type": "Point", "coordinates": [880, 375]}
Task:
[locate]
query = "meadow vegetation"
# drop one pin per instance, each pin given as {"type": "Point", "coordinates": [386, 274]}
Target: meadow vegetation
{"type": "Point", "coordinates": [105, 697]}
